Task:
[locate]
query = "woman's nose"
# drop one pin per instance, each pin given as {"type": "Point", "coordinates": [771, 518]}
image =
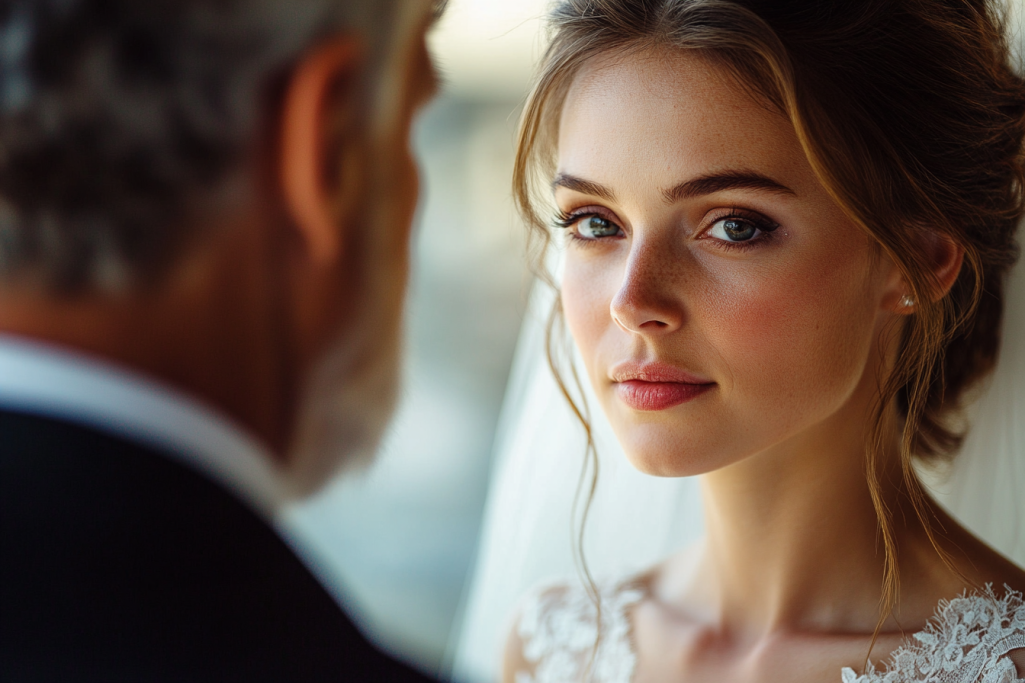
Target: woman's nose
{"type": "Point", "coordinates": [648, 300]}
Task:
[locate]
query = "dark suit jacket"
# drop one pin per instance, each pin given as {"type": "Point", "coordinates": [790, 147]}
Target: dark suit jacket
{"type": "Point", "coordinates": [118, 563]}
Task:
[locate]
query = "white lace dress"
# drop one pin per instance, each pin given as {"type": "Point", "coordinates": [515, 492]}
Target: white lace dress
{"type": "Point", "coordinates": [966, 642]}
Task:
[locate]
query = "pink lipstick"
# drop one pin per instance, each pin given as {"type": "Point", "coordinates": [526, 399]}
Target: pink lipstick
{"type": "Point", "coordinates": [656, 386]}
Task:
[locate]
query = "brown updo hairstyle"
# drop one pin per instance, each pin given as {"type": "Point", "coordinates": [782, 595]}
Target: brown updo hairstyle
{"type": "Point", "coordinates": [911, 116]}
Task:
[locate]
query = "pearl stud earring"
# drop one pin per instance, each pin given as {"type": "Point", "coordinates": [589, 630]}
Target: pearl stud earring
{"type": "Point", "coordinates": [907, 302]}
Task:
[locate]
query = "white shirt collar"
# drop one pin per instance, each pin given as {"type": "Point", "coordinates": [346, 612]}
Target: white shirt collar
{"type": "Point", "coordinates": [55, 382]}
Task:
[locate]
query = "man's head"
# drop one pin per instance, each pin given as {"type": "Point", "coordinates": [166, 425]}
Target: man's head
{"type": "Point", "coordinates": [218, 192]}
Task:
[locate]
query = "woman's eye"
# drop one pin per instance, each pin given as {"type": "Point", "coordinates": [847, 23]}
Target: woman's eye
{"type": "Point", "coordinates": [595, 227]}
{"type": "Point", "coordinates": [587, 226]}
{"type": "Point", "coordinates": [734, 230]}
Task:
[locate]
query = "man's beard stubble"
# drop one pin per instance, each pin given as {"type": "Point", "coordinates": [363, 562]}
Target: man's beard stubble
{"type": "Point", "coordinates": [351, 395]}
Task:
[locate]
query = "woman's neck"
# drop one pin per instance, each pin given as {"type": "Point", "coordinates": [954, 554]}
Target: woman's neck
{"type": "Point", "coordinates": [793, 541]}
{"type": "Point", "coordinates": [789, 542]}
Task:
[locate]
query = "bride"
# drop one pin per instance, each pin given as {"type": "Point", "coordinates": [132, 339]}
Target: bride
{"type": "Point", "coordinates": [788, 230]}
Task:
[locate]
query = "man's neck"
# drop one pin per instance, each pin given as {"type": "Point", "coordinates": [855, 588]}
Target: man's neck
{"type": "Point", "coordinates": [196, 334]}
{"type": "Point", "coordinates": [57, 383]}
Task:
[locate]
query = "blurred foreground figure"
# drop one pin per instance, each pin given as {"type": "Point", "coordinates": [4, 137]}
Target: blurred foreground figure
{"type": "Point", "coordinates": [204, 220]}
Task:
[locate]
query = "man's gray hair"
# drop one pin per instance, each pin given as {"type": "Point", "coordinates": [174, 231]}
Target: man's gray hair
{"type": "Point", "coordinates": [118, 116]}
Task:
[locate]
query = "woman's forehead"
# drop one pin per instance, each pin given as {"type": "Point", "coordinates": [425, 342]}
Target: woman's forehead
{"type": "Point", "coordinates": [646, 114]}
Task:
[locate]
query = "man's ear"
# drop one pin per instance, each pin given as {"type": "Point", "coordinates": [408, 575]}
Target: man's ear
{"type": "Point", "coordinates": [943, 258]}
{"type": "Point", "coordinates": [324, 78]}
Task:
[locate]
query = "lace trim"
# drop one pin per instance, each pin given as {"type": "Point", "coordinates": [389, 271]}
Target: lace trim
{"type": "Point", "coordinates": [967, 641]}
{"type": "Point", "coordinates": [558, 630]}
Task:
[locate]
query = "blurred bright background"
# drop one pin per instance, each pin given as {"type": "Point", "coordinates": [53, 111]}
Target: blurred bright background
{"type": "Point", "coordinates": [398, 541]}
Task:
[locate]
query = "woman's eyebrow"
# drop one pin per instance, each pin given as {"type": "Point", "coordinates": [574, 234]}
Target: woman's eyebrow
{"type": "Point", "coordinates": [583, 186]}
{"type": "Point", "coordinates": [697, 187]}
{"type": "Point", "coordinates": [724, 180]}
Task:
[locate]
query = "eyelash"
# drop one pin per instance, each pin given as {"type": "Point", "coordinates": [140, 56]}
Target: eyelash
{"type": "Point", "coordinates": [567, 220]}
{"type": "Point", "coordinates": [766, 226]}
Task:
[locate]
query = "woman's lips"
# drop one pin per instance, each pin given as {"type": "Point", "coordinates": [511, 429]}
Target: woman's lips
{"type": "Point", "coordinates": [656, 386]}
{"type": "Point", "coordinates": [641, 395]}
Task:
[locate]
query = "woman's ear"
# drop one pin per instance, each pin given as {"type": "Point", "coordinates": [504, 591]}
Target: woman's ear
{"type": "Point", "coordinates": [325, 78]}
{"type": "Point", "coordinates": [943, 259]}
{"type": "Point", "coordinates": [946, 257]}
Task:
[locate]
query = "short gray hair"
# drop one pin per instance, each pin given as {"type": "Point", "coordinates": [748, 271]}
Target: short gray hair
{"type": "Point", "coordinates": [118, 117]}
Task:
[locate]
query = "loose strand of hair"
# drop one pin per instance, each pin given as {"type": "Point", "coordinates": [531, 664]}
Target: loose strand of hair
{"type": "Point", "coordinates": [579, 513]}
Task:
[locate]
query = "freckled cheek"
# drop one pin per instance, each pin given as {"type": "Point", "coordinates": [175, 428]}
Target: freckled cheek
{"type": "Point", "coordinates": [587, 292]}
{"type": "Point", "coordinates": [787, 335]}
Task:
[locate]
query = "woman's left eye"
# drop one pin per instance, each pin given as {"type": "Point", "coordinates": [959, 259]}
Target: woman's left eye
{"type": "Point", "coordinates": [736, 229]}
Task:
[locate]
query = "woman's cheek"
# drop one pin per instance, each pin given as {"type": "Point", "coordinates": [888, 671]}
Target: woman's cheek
{"type": "Point", "coordinates": [587, 291]}
{"type": "Point", "coordinates": [794, 341]}
{"type": "Point", "coordinates": [748, 327]}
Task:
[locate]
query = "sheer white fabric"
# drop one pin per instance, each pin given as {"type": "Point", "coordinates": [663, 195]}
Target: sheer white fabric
{"type": "Point", "coordinates": [558, 630]}
{"type": "Point", "coordinates": [966, 642]}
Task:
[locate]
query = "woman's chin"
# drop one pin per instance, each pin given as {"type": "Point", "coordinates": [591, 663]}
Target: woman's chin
{"type": "Point", "coordinates": [680, 450]}
{"type": "Point", "coordinates": [661, 461]}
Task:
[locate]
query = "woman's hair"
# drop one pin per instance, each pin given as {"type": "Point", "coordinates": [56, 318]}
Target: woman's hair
{"type": "Point", "coordinates": [911, 116]}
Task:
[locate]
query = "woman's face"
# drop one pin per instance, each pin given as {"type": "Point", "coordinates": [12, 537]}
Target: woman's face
{"type": "Point", "coordinates": [724, 305]}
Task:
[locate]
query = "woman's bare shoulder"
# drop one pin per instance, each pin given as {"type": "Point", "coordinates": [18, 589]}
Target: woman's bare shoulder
{"type": "Point", "coordinates": [1006, 576]}
{"type": "Point", "coordinates": [674, 576]}
{"type": "Point", "coordinates": [980, 563]}
{"type": "Point", "coordinates": [989, 575]}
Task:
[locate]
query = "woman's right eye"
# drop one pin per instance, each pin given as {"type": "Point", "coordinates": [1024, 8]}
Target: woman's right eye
{"type": "Point", "coordinates": [589, 226]}
{"type": "Point", "coordinates": [596, 227]}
